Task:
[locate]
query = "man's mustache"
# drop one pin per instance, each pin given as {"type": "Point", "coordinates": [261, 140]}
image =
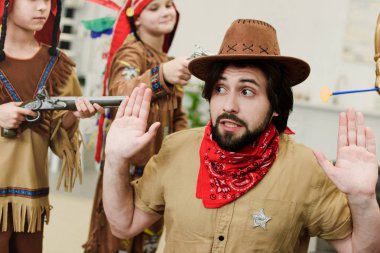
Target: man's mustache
{"type": "Point", "coordinates": [231, 117]}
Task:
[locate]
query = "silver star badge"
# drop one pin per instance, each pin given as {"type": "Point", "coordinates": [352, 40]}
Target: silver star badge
{"type": "Point", "coordinates": [260, 219]}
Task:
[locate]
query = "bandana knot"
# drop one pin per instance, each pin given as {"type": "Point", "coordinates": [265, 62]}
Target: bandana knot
{"type": "Point", "coordinates": [225, 176]}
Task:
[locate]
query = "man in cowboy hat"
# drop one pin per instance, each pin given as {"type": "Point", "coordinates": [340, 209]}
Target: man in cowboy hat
{"type": "Point", "coordinates": [241, 184]}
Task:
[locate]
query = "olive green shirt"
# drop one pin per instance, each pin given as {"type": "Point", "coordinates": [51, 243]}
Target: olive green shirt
{"type": "Point", "coordinates": [295, 194]}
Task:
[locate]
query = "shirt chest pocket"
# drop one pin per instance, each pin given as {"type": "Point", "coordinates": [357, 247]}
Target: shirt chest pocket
{"type": "Point", "coordinates": [269, 225]}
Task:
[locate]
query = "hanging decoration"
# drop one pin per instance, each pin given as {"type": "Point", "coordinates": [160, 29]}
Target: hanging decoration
{"type": "Point", "coordinates": [326, 92]}
{"type": "Point", "coordinates": [106, 3]}
{"type": "Point", "coordinates": [99, 26]}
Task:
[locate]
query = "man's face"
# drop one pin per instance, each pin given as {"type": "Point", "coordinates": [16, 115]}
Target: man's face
{"type": "Point", "coordinates": [239, 107]}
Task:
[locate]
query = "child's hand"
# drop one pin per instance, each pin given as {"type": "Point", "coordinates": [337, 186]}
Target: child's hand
{"type": "Point", "coordinates": [176, 71]}
{"type": "Point", "coordinates": [85, 109]}
{"type": "Point", "coordinates": [12, 115]}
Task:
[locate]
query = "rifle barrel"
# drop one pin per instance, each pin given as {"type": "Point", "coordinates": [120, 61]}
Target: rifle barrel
{"type": "Point", "coordinates": [106, 101]}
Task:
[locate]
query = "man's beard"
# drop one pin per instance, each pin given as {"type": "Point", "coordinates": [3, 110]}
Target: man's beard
{"type": "Point", "coordinates": [229, 142]}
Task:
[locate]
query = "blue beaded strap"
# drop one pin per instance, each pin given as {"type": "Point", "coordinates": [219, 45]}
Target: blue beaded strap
{"type": "Point", "coordinates": [42, 82]}
{"type": "Point", "coordinates": [23, 192]}
{"type": "Point", "coordinates": [9, 88]}
{"type": "Point", "coordinates": [46, 73]}
{"type": "Point", "coordinates": [155, 80]}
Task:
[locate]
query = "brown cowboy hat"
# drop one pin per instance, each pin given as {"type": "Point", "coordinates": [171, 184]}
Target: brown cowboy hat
{"type": "Point", "coordinates": [255, 40]}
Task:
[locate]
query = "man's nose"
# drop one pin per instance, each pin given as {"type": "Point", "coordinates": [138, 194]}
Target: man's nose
{"type": "Point", "coordinates": [231, 104]}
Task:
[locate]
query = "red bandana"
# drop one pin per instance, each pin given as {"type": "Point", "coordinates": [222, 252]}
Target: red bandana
{"type": "Point", "coordinates": [225, 176]}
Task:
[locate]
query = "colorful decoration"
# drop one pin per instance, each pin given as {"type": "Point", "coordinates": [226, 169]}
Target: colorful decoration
{"type": "Point", "coordinates": [99, 26]}
{"type": "Point", "coordinates": [106, 3]}
{"type": "Point", "coordinates": [326, 93]}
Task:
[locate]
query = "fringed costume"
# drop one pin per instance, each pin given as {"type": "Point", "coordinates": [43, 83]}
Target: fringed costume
{"type": "Point", "coordinates": [134, 62]}
{"type": "Point", "coordinates": [24, 184]}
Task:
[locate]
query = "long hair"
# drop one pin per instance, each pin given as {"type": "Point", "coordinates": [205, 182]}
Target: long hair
{"type": "Point", "coordinates": [278, 89]}
{"type": "Point", "coordinates": [55, 37]}
{"type": "Point", "coordinates": [4, 29]}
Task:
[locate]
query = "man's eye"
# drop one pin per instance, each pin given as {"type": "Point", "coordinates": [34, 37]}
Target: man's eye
{"type": "Point", "coordinates": [247, 92]}
{"type": "Point", "coordinates": [220, 89]}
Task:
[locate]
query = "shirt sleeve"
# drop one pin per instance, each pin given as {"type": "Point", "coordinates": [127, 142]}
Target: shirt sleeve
{"type": "Point", "coordinates": [149, 189]}
{"type": "Point", "coordinates": [329, 215]}
{"type": "Point", "coordinates": [65, 143]}
{"type": "Point", "coordinates": [71, 88]}
{"type": "Point", "coordinates": [128, 70]}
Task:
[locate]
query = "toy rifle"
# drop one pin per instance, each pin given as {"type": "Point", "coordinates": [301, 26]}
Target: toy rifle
{"type": "Point", "coordinates": [43, 102]}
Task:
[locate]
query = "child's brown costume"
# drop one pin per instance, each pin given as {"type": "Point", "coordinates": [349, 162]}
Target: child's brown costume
{"type": "Point", "coordinates": [24, 184]}
{"type": "Point", "coordinates": [24, 181]}
{"type": "Point", "coordinates": [133, 63]}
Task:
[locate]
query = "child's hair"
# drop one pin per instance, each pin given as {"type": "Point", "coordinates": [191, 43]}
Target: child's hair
{"type": "Point", "coordinates": [54, 40]}
{"type": "Point", "coordinates": [57, 20]}
{"type": "Point", "coordinates": [132, 24]}
{"type": "Point", "coordinates": [3, 30]}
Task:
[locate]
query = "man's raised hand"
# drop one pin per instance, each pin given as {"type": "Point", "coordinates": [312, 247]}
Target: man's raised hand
{"type": "Point", "coordinates": [356, 171]}
{"type": "Point", "coordinates": [128, 133]}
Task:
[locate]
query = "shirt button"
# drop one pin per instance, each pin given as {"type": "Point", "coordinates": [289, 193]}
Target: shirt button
{"type": "Point", "coordinates": [221, 238]}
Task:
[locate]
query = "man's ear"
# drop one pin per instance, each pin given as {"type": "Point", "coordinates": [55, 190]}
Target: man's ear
{"type": "Point", "coordinates": [275, 114]}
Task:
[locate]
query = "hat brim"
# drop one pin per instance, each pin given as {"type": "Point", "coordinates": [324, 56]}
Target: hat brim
{"type": "Point", "coordinates": [295, 69]}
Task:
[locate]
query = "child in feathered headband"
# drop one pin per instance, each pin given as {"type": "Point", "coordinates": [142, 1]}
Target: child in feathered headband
{"type": "Point", "coordinates": [29, 63]}
{"type": "Point", "coordinates": [143, 33]}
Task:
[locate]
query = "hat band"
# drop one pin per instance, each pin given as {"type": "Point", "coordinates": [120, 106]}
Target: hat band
{"type": "Point", "coordinates": [248, 49]}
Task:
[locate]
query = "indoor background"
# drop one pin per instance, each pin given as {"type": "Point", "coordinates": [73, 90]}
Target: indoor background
{"type": "Point", "coordinates": [335, 37]}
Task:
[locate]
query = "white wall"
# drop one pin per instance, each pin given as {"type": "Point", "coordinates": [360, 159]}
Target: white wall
{"type": "Point", "coordinates": [311, 30]}
{"type": "Point", "coordinates": [314, 31]}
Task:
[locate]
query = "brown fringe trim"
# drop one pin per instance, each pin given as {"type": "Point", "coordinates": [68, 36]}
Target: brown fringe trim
{"type": "Point", "coordinates": [60, 74]}
{"type": "Point", "coordinates": [57, 80]}
{"type": "Point", "coordinates": [68, 150]}
{"type": "Point", "coordinates": [167, 103]}
{"type": "Point", "coordinates": [25, 216]}
{"type": "Point", "coordinates": [4, 97]}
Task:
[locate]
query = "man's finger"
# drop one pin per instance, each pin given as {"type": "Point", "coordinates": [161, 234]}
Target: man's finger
{"type": "Point", "coordinates": [360, 130]}
{"type": "Point", "coordinates": [145, 105]}
{"type": "Point", "coordinates": [131, 102]}
{"type": "Point", "coordinates": [121, 109]}
{"type": "Point", "coordinates": [139, 100]}
{"type": "Point", "coordinates": [370, 140]}
{"type": "Point", "coordinates": [351, 127]}
{"type": "Point", "coordinates": [152, 131]}
{"type": "Point", "coordinates": [342, 131]}
{"type": "Point", "coordinates": [327, 166]}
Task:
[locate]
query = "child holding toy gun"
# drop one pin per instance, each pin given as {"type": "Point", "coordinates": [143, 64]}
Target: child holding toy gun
{"type": "Point", "coordinates": [29, 62]}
